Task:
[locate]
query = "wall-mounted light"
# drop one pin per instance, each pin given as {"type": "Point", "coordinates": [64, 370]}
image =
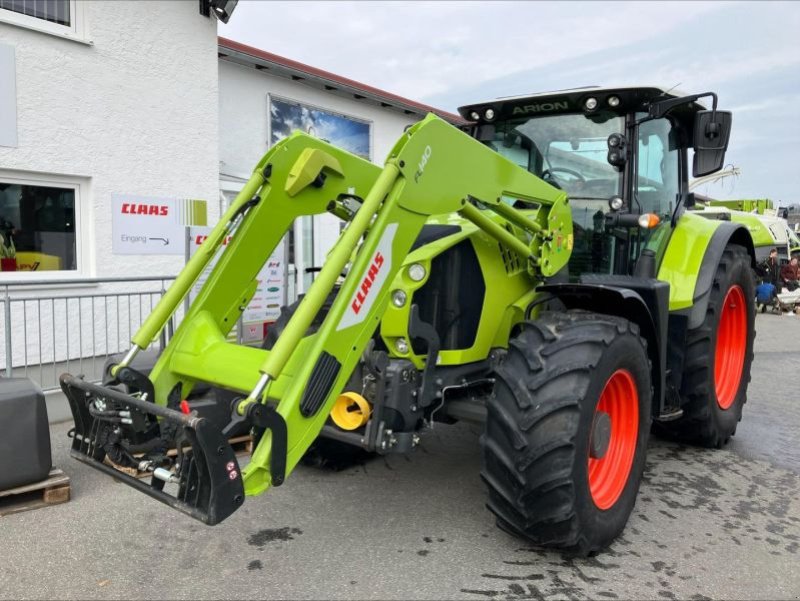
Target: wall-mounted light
{"type": "Point", "coordinates": [221, 9]}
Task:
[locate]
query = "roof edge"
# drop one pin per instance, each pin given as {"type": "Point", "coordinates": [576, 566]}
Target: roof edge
{"type": "Point", "coordinates": [302, 68]}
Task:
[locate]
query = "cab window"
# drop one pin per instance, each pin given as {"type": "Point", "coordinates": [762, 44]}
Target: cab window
{"type": "Point", "coordinates": [657, 175]}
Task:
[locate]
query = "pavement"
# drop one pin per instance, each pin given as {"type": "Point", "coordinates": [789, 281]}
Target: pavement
{"type": "Point", "coordinates": [707, 525]}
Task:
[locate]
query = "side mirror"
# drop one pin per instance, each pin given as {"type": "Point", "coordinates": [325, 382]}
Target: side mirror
{"type": "Point", "coordinates": [712, 130]}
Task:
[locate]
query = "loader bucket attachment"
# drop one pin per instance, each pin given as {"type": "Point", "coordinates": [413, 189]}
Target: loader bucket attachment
{"type": "Point", "coordinates": [202, 479]}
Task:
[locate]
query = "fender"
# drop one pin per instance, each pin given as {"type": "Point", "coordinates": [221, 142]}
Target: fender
{"type": "Point", "coordinates": [726, 233]}
{"type": "Point", "coordinates": [642, 301]}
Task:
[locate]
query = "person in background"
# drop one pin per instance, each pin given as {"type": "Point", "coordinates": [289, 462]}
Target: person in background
{"type": "Point", "coordinates": [790, 274]}
{"type": "Point", "coordinates": [770, 269]}
{"type": "Point", "coordinates": [769, 281]}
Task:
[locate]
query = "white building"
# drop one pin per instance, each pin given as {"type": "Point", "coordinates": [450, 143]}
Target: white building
{"type": "Point", "coordinates": [101, 103]}
{"type": "Point", "coordinates": [120, 123]}
{"type": "Point", "coordinates": [259, 91]}
{"type": "Point", "coordinates": [116, 100]}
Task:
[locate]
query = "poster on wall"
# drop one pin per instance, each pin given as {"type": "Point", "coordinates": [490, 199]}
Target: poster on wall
{"type": "Point", "coordinates": [270, 295]}
{"type": "Point", "coordinates": [347, 133]}
{"type": "Point", "coordinates": [152, 225]}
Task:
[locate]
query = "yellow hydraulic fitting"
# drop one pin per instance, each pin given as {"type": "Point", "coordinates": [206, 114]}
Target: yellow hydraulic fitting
{"type": "Point", "coordinates": [351, 411]}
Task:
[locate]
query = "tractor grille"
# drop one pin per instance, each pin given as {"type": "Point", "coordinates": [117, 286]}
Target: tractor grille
{"type": "Point", "coordinates": [511, 260]}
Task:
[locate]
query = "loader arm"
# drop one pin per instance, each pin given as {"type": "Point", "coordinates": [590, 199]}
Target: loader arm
{"type": "Point", "coordinates": [433, 169]}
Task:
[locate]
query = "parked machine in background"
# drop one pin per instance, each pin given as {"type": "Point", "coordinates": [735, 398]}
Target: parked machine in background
{"type": "Point", "coordinates": [768, 231]}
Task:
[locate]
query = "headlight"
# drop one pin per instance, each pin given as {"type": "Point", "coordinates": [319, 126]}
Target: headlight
{"type": "Point", "coordinates": [613, 101]}
{"type": "Point", "coordinates": [590, 104]}
{"type": "Point", "coordinates": [474, 115]}
{"type": "Point", "coordinates": [401, 345]}
{"type": "Point", "coordinates": [615, 203]}
{"type": "Point", "coordinates": [398, 298]}
{"type": "Point", "coordinates": [417, 272]}
{"type": "Point", "coordinates": [489, 114]}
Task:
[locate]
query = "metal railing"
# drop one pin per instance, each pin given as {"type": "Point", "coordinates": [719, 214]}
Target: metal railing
{"type": "Point", "coordinates": [63, 331]}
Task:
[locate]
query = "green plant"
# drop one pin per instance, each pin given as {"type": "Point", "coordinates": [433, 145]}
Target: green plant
{"type": "Point", "coordinates": [7, 251]}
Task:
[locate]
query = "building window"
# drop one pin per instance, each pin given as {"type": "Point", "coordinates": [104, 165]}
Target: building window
{"type": "Point", "coordinates": [54, 11]}
{"type": "Point", "coordinates": [38, 225]}
{"type": "Point", "coordinates": [60, 17]}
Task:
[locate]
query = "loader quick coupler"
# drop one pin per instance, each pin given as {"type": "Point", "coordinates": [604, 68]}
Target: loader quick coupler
{"type": "Point", "coordinates": [204, 469]}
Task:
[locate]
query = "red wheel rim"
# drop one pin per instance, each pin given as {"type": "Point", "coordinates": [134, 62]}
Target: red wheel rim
{"type": "Point", "coordinates": [731, 346]}
{"type": "Point", "coordinates": [609, 474]}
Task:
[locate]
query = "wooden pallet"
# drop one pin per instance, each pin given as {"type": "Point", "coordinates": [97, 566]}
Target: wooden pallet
{"type": "Point", "coordinates": [52, 491]}
{"type": "Point", "coordinates": [242, 446]}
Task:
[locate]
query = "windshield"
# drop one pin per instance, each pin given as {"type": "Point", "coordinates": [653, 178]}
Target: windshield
{"type": "Point", "coordinates": [568, 151]}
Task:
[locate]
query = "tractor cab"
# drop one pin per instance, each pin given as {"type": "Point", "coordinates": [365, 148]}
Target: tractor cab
{"type": "Point", "coordinates": [621, 156]}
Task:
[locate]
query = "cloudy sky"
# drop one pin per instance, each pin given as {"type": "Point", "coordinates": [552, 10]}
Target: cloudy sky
{"type": "Point", "coordinates": [453, 53]}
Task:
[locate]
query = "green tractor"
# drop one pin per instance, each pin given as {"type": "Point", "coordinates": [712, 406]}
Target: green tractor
{"type": "Point", "coordinates": [535, 271]}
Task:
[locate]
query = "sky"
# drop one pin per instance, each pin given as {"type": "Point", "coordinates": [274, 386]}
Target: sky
{"type": "Point", "coordinates": [448, 54]}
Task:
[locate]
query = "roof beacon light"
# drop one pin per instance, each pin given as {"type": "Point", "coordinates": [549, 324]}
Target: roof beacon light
{"type": "Point", "coordinates": [590, 104]}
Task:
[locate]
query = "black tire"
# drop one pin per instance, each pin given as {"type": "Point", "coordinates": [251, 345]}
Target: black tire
{"type": "Point", "coordinates": [704, 421]}
{"type": "Point", "coordinates": [540, 417]}
{"type": "Point", "coordinates": [323, 453]}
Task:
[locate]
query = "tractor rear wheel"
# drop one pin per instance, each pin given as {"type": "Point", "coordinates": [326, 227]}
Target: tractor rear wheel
{"type": "Point", "coordinates": [718, 357]}
{"type": "Point", "coordinates": [567, 429]}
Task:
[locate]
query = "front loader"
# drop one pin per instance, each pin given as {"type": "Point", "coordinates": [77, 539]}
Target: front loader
{"type": "Point", "coordinates": [534, 271]}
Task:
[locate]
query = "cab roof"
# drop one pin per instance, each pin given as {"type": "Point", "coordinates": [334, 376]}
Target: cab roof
{"type": "Point", "coordinates": [631, 98]}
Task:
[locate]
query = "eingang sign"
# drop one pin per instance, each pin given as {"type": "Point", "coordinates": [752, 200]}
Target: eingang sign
{"type": "Point", "coordinates": [148, 225]}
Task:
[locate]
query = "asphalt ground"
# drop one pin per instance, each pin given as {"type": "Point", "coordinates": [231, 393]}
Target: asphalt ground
{"type": "Point", "coordinates": [707, 524]}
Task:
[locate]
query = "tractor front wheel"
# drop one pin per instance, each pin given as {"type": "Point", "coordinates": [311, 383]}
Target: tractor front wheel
{"type": "Point", "coordinates": [567, 429]}
{"type": "Point", "coordinates": [718, 357]}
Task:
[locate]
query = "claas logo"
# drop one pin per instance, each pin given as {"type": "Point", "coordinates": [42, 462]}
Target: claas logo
{"type": "Point", "coordinates": [366, 284]}
{"type": "Point", "coordinates": [199, 239]}
{"type": "Point", "coordinates": [144, 209]}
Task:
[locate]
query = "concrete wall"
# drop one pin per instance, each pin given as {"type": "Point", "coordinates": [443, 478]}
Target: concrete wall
{"type": "Point", "coordinates": [135, 112]}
